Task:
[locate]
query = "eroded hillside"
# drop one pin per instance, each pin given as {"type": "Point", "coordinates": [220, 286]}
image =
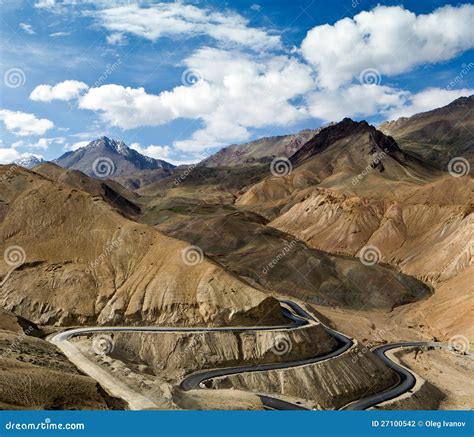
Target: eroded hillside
{"type": "Point", "coordinates": [76, 261]}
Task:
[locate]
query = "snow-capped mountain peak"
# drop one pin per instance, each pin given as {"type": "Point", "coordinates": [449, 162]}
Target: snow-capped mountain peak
{"type": "Point", "coordinates": [28, 161]}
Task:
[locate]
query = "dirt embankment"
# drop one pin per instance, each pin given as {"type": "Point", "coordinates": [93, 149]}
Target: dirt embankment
{"type": "Point", "coordinates": [329, 384]}
{"type": "Point", "coordinates": [446, 382]}
{"type": "Point", "coordinates": [172, 355]}
{"type": "Point", "coordinates": [34, 374]}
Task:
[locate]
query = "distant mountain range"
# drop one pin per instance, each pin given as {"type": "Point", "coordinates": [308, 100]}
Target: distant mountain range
{"type": "Point", "coordinates": [28, 161]}
{"type": "Point", "coordinates": [439, 135]}
{"type": "Point", "coordinates": [259, 151]}
{"type": "Point", "coordinates": [434, 137]}
{"type": "Point", "coordinates": [105, 157]}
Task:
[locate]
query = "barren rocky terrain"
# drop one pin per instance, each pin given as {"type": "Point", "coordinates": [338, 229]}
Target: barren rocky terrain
{"type": "Point", "coordinates": [259, 151]}
{"type": "Point", "coordinates": [173, 355]}
{"type": "Point", "coordinates": [404, 230]}
{"type": "Point", "coordinates": [446, 371]}
{"type": "Point", "coordinates": [364, 228]}
{"type": "Point", "coordinates": [330, 384]}
{"type": "Point", "coordinates": [399, 212]}
{"type": "Point", "coordinates": [34, 374]}
{"type": "Point", "coordinates": [85, 263]}
{"type": "Point", "coordinates": [438, 135]}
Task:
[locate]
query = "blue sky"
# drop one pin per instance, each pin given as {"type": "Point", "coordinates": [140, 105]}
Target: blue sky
{"type": "Point", "coordinates": [179, 80]}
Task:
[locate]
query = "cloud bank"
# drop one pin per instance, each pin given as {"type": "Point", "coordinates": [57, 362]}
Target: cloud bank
{"type": "Point", "coordinates": [250, 81]}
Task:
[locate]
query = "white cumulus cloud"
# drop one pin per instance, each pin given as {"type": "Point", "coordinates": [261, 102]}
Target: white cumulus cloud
{"type": "Point", "coordinates": [157, 152]}
{"type": "Point", "coordinates": [67, 90]}
{"type": "Point", "coordinates": [116, 38]}
{"type": "Point", "coordinates": [7, 155]}
{"type": "Point", "coordinates": [128, 107]}
{"type": "Point", "coordinates": [24, 124]}
{"type": "Point", "coordinates": [253, 94]}
{"type": "Point", "coordinates": [42, 143]}
{"type": "Point", "coordinates": [427, 100]}
{"type": "Point", "coordinates": [45, 4]}
{"type": "Point", "coordinates": [235, 93]}
{"type": "Point", "coordinates": [392, 40]}
{"type": "Point", "coordinates": [245, 83]}
{"type": "Point", "coordinates": [77, 145]}
{"type": "Point", "coordinates": [354, 101]}
{"type": "Point", "coordinates": [10, 154]}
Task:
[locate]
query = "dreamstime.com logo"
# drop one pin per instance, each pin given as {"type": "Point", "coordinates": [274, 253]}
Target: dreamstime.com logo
{"type": "Point", "coordinates": [280, 167]}
{"type": "Point", "coordinates": [14, 77]}
{"type": "Point", "coordinates": [287, 248]}
{"type": "Point", "coordinates": [184, 175]}
{"type": "Point", "coordinates": [103, 167]}
{"type": "Point", "coordinates": [18, 340]}
{"type": "Point", "coordinates": [103, 344]}
{"type": "Point", "coordinates": [46, 425]}
{"type": "Point", "coordinates": [370, 76]}
{"type": "Point", "coordinates": [14, 256]}
{"type": "Point", "coordinates": [465, 69]}
{"type": "Point", "coordinates": [107, 251]}
{"type": "Point", "coordinates": [10, 172]}
{"type": "Point", "coordinates": [107, 73]}
{"type": "Point", "coordinates": [459, 167]}
{"type": "Point", "coordinates": [192, 255]}
{"type": "Point", "coordinates": [376, 161]}
{"type": "Point", "coordinates": [370, 255]}
{"type": "Point", "coordinates": [282, 345]}
{"type": "Point", "coordinates": [459, 344]}
{"type": "Point", "coordinates": [191, 76]}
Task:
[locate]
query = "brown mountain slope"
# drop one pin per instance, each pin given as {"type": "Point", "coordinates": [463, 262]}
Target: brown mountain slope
{"type": "Point", "coordinates": [198, 206]}
{"type": "Point", "coordinates": [348, 156]}
{"type": "Point", "coordinates": [349, 148]}
{"type": "Point", "coordinates": [430, 241]}
{"type": "Point", "coordinates": [218, 185]}
{"type": "Point", "coordinates": [426, 238]}
{"type": "Point", "coordinates": [259, 151]}
{"type": "Point", "coordinates": [34, 374]}
{"type": "Point", "coordinates": [84, 263]}
{"type": "Point", "coordinates": [141, 178]}
{"type": "Point", "coordinates": [449, 311]}
{"type": "Point", "coordinates": [112, 192]}
{"type": "Point", "coordinates": [277, 261]}
{"type": "Point", "coordinates": [407, 213]}
{"type": "Point", "coordinates": [438, 135]}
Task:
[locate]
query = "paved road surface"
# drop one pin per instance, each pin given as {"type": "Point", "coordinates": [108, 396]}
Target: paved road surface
{"type": "Point", "coordinates": [298, 317]}
{"type": "Point", "coordinates": [406, 379]}
{"type": "Point", "coordinates": [197, 379]}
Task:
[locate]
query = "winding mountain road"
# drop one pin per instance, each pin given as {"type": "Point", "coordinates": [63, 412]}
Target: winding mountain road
{"type": "Point", "coordinates": [407, 380]}
{"type": "Point", "coordinates": [299, 318]}
{"type": "Point", "coordinates": [194, 380]}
